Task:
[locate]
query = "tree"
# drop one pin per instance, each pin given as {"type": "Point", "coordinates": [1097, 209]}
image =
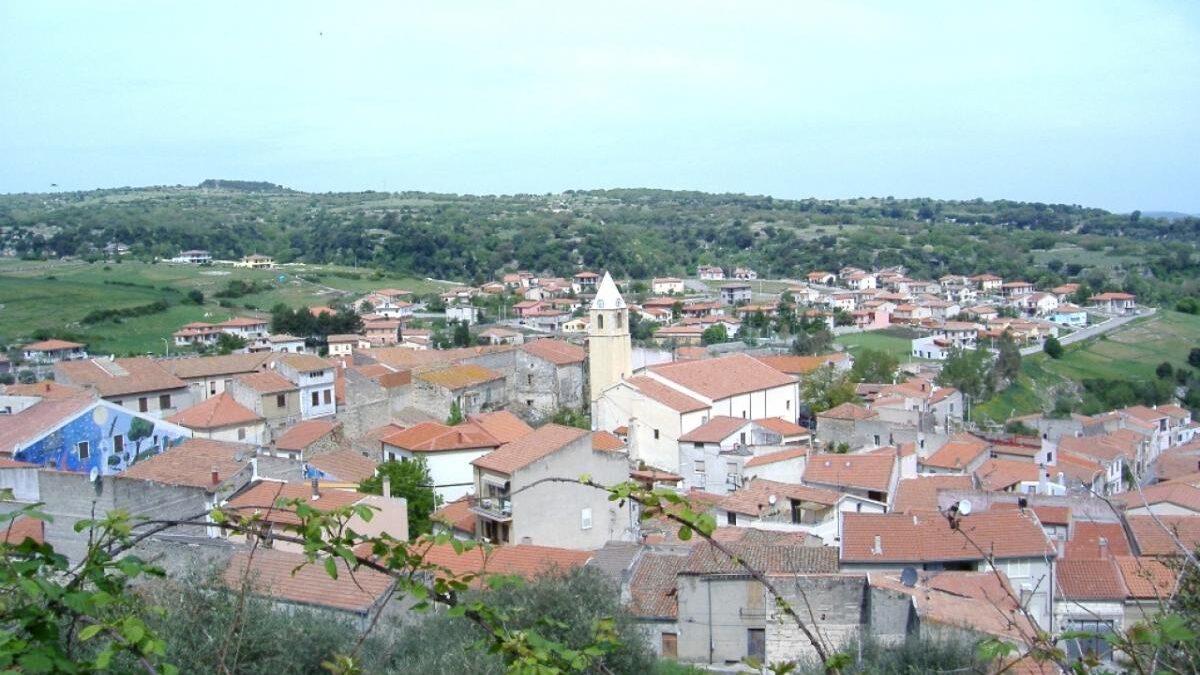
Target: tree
{"type": "Point", "coordinates": [462, 334]}
{"type": "Point", "coordinates": [874, 365]}
{"type": "Point", "coordinates": [1188, 306]}
{"type": "Point", "coordinates": [195, 297]}
{"type": "Point", "coordinates": [456, 414]}
{"type": "Point", "coordinates": [826, 388]}
{"type": "Point", "coordinates": [29, 377]}
{"type": "Point", "coordinates": [1053, 347]}
{"type": "Point", "coordinates": [1194, 357]}
{"type": "Point", "coordinates": [1164, 370]}
{"type": "Point", "coordinates": [410, 480]}
{"type": "Point", "coordinates": [572, 417]}
{"type": "Point", "coordinates": [1008, 362]}
{"type": "Point", "coordinates": [967, 371]}
{"type": "Point", "coordinates": [227, 344]}
{"type": "Point", "coordinates": [714, 334]}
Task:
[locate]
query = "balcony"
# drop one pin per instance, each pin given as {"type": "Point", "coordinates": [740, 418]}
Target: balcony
{"type": "Point", "coordinates": [493, 508]}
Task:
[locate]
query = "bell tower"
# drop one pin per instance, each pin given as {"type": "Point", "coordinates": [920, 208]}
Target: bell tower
{"type": "Point", "coordinates": [610, 356]}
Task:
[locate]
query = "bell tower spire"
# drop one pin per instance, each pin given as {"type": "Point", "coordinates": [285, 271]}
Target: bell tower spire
{"type": "Point", "coordinates": [610, 355]}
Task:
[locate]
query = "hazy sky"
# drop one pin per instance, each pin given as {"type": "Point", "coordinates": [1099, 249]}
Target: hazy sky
{"type": "Point", "coordinates": [1096, 103]}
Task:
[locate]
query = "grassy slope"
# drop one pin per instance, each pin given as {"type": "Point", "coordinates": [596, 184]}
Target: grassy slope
{"type": "Point", "coordinates": [880, 341]}
{"type": "Point", "coordinates": [1130, 352]}
{"type": "Point", "coordinates": [30, 299]}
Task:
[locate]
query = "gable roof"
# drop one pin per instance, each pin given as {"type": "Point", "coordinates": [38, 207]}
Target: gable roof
{"type": "Point", "coordinates": [192, 463]}
{"type": "Point", "coordinates": [215, 413]}
{"type": "Point", "coordinates": [869, 471]}
{"type": "Point", "coordinates": [768, 558]}
{"type": "Point", "coordinates": [46, 390]}
{"type": "Point", "coordinates": [653, 585]}
{"type": "Point", "coordinates": [345, 465]}
{"type": "Point", "coordinates": [1086, 537]}
{"type": "Point", "coordinates": [457, 515]}
{"type": "Point", "coordinates": [263, 497]}
{"type": "Point", "coordinates": [524, 560]}
{"type": "Point", "coordinates": [723, 376]}
{"type": "Point", "coordinates": [558, 352]}
{"type": "Point", "coordinates": [1089, 580]}
{"type": "Point", "coordinates": [1152, 539]}
{"type": "Point", "coordinates": [1171, 492]}
{"type": "Point", "coordinates": [913, 538]}
{"type": "Point", "coordinates": [1000, 474]}
{"type": "Point", "coordinates": [848, 411]}
{"type": "Point", "coordinates": [754, 497]}
{"type": "Point", "coordinates": [920, 493]}
{"type": "Point", "coordinates": [303, 434]}
{"type": "Point", "coordinates": [32, 423]}
{"type": "Point", "coordinates": [208, 366]}
{"type": "Point", "coordinates": [266, 382]}
{"type": "Point", "coordinates": [437, 437]}
{"type": "Point", "coordinates": [460, 376]}
{"type": "Point", "coordinates": [119, 377]}
{"type": "Point", "coordinates": [502, 425]}
{"type": "Point", "coordinates": [981, 602]}
{"type": "Point", "coordinates": [602, 441]}
{"type": "Point", "coordinates": [51, 345]}
{"type": "Point", "coordinates": [522, 452]}
{"type": "Point", "coordinates": [958, 453]}
{"type": "Point", "coordinates": [1147, 578]}
{"type": "Point", "coordinates": [782, 426]}
{"type": "Point", "coordinates": [304, 363]}
{"type": "Point", "coordinates": [800, 365]}
{"type": "Point", "coordinates": [715, 430]}
{"type": "Point", "coordinates": [661, 393]}
{"type": "Point", "coordinates": [289, 577]}
{"type": "Point", "coordinates": [773, 457]}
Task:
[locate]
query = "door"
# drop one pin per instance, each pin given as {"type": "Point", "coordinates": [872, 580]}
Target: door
{"type": "Point", "coordinates": [670, 646]}
{"type": "Point", "coordinates": [756, 643]}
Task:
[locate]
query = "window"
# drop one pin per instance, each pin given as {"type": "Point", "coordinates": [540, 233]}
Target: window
{"type": "Point", "coordinates": [328, 396]}
{"type": "Point", "coordinates": [212, 388]}
{"type": "Point", "coordinates": [143, 404]}
{"type": "Point", "coordinates": [83, 450]}
{"type": "Point", "coordinates": [585, 519]}
{"type": "Point", "coordinates": [656, 434]}
{"type": "Point", "coordinates": [528, 403]}
{"type": "Point", "coordinates": [241, 433]}
{"type": "Point", "coordinates": [620, 321]}
{"type": "Point", "coordinates": [742, 438]}
{"type": "Point", "coordinates": [700, 466]}
{"type": "Point", "coordinates": [730, 518]}
{"type": "Point", "coordinates": [600, 321]}
{"type": "Point", "coordinates": [118, 443]}
{"type": "Point", "coordinates": [876, 439]}
{"type": "Point", "coordinates": [280, 400]}
{"type": "Point", "coordinates": [316, 398]}
{"type": "Point", "coordinates": [670, 645]}
{"type": "Point", "coordinates": [529, 379]}
{"type": "Point", "coordinates": [164, 401]}
{"type": "Point", "coordinates": [787, 404]}
{"type": "Point", "coordinates": [756, 643]}
{"type": "Point", "coordinates": [1049, 457]}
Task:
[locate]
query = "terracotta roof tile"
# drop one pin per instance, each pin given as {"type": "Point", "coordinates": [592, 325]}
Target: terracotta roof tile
{"type": "Point", "coordinates": [266, 382]}
{"type": "Point", "coordinates": [724, 376]}
{"type": "Point", "coordinates": [913, 538]}
{"type": "Point", "coordinates": [1001, 474]}
{"type": "Point", "coordinates": [192, 463]}
{"type": "Point", "coordinates": [920, 493]}
{"type": "Point", "coordinates": [653, 585]}
{"type": "Point", "coordinates": [522, 452]}
{"type": "Point", "coordinates": [119, 377]}
{"type": "Point", "coordinates": [1179, 494]}
{"type": "Point", "coordinates": [51, 345]}
{"type": "Point", "coordinates": [285, 576]}
{"type": "Point", "coordinates": [848, 411]}
{"type": "Point", "coordinates": [208, 366]}
{"type": "Point", "coordinates": [672, 398]}
{"type": "Point", "coordinates": [1047, 515]}
{"type": "Point", "coordinates": [1089, 580]}
{"type": "Point", "coordinates": [977, 601]}
{"type": "Point", "coordinates": [958, 453]}
{"type": "Point", "coordinates": [715, 430]}
{"type": "Point", "coordinates": [305, 363]}
{"type": "Point", "coordinates": [1086, 536]}
{"type": "Point", "coordinates": [1151, 539]}
{"type": "Point", "coordinates": [523, 560]}
{"type": "Point", "coordinates": [264, 497]}
{"type": "Point", "coordinates": [769, 558]}
{"type": "Point", "coordinates": [863, 471]}
{"type": "Point", "coordinates": [429, 437]}
{"type": "Point", "coordinates": [754, 497]}
{"type": "Point", "coordinates": [38, 419]}
{"type": "Point", "coordinates": [800, 365]}
{"type": "Point", "coordinates": [47, 390]}
{"type": "Point", "coordinates": [1147, 578]}
{"type": "Point", "coordinates": [460, 376]}
{"type": "Point", "coordinates": [602, 441]}
{"type": "Point", "coordinates": [558, 352]}
{"type": "Point", "coordinates": [303, 434]}
{"type": "Point", "coordinates": [781, 426]}
{"type": "Point", "coordinates": [457, 514]}
{"type": "Point", "coordinates": [345, 465]}
{"type": "Point", "coordinates": [215, 413]}
{"type": "Point", "coordinates": [773, 457]}
{"type": "Point", "coordinates": [22, 528]}
{"type": "Point", "coordinates": [502, 425]}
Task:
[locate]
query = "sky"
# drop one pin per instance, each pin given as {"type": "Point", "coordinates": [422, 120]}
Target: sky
{"type": "Point", "coordinates": [1094, 103]}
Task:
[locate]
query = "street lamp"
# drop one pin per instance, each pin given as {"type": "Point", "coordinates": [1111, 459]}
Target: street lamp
{"type": "Point", "coordinates": [166, 346]}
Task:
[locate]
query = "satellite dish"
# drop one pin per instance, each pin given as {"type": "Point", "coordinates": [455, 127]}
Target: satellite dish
{"type": "Point", "coordinates": [771, 500]}
{"type": "Point", "coordinates": [94, 474]}
{"type": "Point", "coordinates": [908, 576]}
{"type": "Point", "coordinates": [964, 508]}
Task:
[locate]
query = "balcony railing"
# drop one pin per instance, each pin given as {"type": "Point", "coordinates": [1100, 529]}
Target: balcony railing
{"type": "Point", "coordinates": [495, 508]}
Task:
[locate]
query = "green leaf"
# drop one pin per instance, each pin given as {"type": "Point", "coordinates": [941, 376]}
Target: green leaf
{"type": "Point", "coordinates": [90, 632]}
{"type": "Point", "coordinates": [331, 568]}
{"type": "Point", "coordinates": [36, 662]}
{"type": "Point", "coordinates": [217, 515]}
{"type": "Point", "coordinates": [685, 532]}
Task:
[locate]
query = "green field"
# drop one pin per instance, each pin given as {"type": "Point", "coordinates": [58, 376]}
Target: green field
{"type": "Point", "coordinates": [883, 341]}
{"type": "Point", "coordinates": [55, 296]}
{"type": "Point", "coordinates": [1130, 352]}
{"type": "Point", "coordinates": [1075, 254]}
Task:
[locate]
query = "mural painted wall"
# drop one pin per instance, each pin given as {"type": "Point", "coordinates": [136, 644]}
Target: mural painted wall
{"type": "Point", "coordinates": [115, 439]}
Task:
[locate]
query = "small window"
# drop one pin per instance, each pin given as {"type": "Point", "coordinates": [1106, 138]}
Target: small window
{"type": "Point", "coordinates": [143, 404]}
{"type": "Point", "coordinates": [876, 439]}
{"type": "Point", "coordinates": [1049, 457]}
{"type": "Point", "coordinates": [585, 519]}
{"type": "Point", "coordinates": [83, 449]}
{"type": "Point", "coordinates": [528, 403]}
{"type": "Point", "coordinates": [328, 396]}
{"type": "Point", "coordinates": [787, 404]}
{"type": "Point", "coordinates": [656, 434]}
{"type": "Point", "coordinates": [164, 402]}
{"type": "Point", "coordinates": [529, 379]}
{"type": "Point", "coordinates": [316, 398]}
{"type": "Point", "coordinates": [280, 400]}
{"type": "Point", "coordinates": [742, 438]}
{"type": "Point", "coordinates": [118, 443]}
{"type": "Point", "coordinates": [241, 433]}
{"type": "Point", "coordinates": [212, 388]}
{"type": "Point", "coordinates": [730, 518]}
{"type": "Point", "coordinates": [699, 466]}
{"type": "Point", "coordinates": [600, 321]}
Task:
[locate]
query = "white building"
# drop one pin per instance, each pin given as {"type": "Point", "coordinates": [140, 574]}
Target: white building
{"type": "Point", "coordinates": [314, 376]}
{"type": "Point", "coordinates": [666, 286]}
{"type": "Point", "coordinates": [196, 257]}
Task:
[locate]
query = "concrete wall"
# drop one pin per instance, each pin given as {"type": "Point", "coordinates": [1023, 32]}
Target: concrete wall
{"type": "Point", "coordinates": [451, 469]}
{"type": "Point", "coordinates": [23, 482]}
{"type": "Point", "coordinates": [715, 615]}
{"type": "Point", "coordinates": [837, 604]}
{"type": "Point", "coordinates": [435, 400]}
{"type": "Point", "coordinates": [367, 405]}
{"type": "Point", "coordinates": [267, 406]}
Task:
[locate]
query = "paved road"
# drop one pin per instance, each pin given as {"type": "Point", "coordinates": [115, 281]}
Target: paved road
{"type": "Point", "coordinates": [1093, 330]}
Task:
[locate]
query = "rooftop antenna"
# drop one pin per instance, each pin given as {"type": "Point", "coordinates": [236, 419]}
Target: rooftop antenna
{"type": "Point", "coordinates": [908, 576]}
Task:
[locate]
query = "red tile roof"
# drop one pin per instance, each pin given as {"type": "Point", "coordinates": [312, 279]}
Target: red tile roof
{"type": "Point", "coordinates": [558, 352]}
{"type": "Point", "coordinates": [22, 528]}
{"type": "Point", "coordinates": [755, 497]}
{"type": "Point", "coordinates": [457, 514]}
{"type": "Point", "coordinates": [428, 437]}
{"type": "Point", "coordinates": [286, 576]}
{"type": "Point", "coordinates": [51, 345]}
{"type": "Point", "coordinates": [715, 430]}
{"type": "Point", "coordinates": [653, 586]}
{"type": "Point", "coordinates": [848, 411]}
{"type": "Point", "coordinates": [920, 494]}
{"type": "Point", "coordinates": [1089, 580]}
{"type": "Point", "coordinates": [542, 442]}
{"type": "Point", "coordinates": [215, 413]}
{"type": "Point", "coordinates": [1152, 539]}
{"type": "Point", "coordinates": [602, 441]}
{"type": "Point", "coordinates": [303, 434]}
{"type": "Point", "coordinates": [264, 497]}
{"type": "Point", "coordinates": [47, 390]}
{"type": "Point", "coordinates": [863, 471]}
{"type": "Point", "coordinates": [1086, 536]}
{"type": "Point", "coordinates": [523, 560]}
{"type": "Point", "coordinates": [345, 465]}
{"type": "Point", "coordinates": [800, 365]}
{"type": "Point", "coordinates": [657, 391]}
{"type": "Point", "coordinates": [1147, 578]}
{"type": "Point", "coordinates": [773, 457]}
{"type": "Point", "coordinates": [267, 382]}
{"type": "Point", "coordinates": [1179, 494]}
{"type": "Point", "coordinates": [38, 419]}
{"type": "Point", "coordinates": [977, 601]}
{"type": "Point", "coordinates": [724, 376]}
{"type": "Point", "coordinates": [1001, 474]}
{"type": "Point", "coordinates": [192, 463]}
{"type": "Point", "coordinates": [782, 427]}
{"type": "Point", "coordinates": [905, 538]}
{"type": "Point", "coordinates": [502, 425]}
{"type": "Point", "coordinates": [119, 377]}
{"type": "Point", "coordinates": [958, 453]}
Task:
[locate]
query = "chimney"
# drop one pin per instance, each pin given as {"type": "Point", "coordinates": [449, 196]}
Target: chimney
{"type": "Point", "coordinates": [877, 549]}
{"type": "Point", "coordinates": [1103, 544]}
{"type": "Point", "coordinates": [316, 490]}
{"type": "Point", "coordinates": [216, 476]}
{"type": "Point", "coordinates": [253, 469]}
{"type": "Point", "coordinates": [387, 487]}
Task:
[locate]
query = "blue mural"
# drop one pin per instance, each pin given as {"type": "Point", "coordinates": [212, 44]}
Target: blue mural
{"type": "Point", "coordinates": [115, 439]}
